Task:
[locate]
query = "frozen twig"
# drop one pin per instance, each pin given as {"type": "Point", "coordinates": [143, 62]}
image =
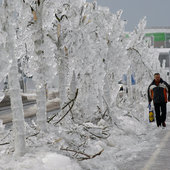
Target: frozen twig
{"type": "Point", "coordinates": [6, 135]}
{"type": "Point", "coordinates": [107, 110]}
{"type": "Point", "coordinates": [71, 100]}
{"type": "Point", "coordinates": [32, 135]}
{"type": "Point", "coordinates": [6, 143]}
{"type": "Point", "coordinates": [60, 19]}
{"type": "Point", "coordinates": [86, 156]}
{"type": "Point", "coordinates": [64, 114]}
{"type": "Point", "coordinates": [132, 116]}
{"type": "Point", "coordinates": [101, 137]}
{"type": "Point", "coordinates": [118, 126]}
{"type": "Point", "coordinates": [52, 38]}
{"type": "Point", "coordinates": [70, 104]}
{"type": "Point", "coordinates": [104, 114]}
{"type": "Point", "coordinates": [51, 118]}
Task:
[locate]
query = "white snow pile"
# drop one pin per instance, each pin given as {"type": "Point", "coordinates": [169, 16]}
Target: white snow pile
{"type": "Point", "coordinates": [41, 160]}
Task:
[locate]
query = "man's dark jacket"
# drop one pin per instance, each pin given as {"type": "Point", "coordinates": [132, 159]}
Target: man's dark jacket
{"type": "Point", "coordinates": [158, 93]}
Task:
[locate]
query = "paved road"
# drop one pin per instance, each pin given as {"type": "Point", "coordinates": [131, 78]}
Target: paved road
{"type": "Point", "coordinates": [29, 110]}
{"type": "Point", "coordinates": [156, 157]}
{"type": "Point", "coordinates": [7, 109]}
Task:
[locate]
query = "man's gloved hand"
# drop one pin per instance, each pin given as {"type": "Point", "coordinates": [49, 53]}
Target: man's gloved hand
{"type": "Point", "coordinates": [149, 106]}
{"type": "Point", "coordinates": [168, 98]}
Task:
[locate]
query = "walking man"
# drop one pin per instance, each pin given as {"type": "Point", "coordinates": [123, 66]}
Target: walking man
{"type": "Point", "coordinates": [159, 91]}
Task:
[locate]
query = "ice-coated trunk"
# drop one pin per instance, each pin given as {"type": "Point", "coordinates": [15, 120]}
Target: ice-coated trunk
{"type": "Point", "coordinates": [38, 38]}
{"type": "Point", "coordinates": [41, 108]}
{"type": "Point", "coordinates": [73, 86]}
{"type": "Point", "coordinates": [106, 91]}
{"type": "Point", "coordinates": [17, 110]}
{"type": "Point", "coordinates": [13, 80]}
{"type": "Point", "coordinates": [62, 82]}
{"type": "Point", "coordinates": [63, 70]}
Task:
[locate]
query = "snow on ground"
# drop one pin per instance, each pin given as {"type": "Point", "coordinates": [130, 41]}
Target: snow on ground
{"type": "Point", "coordinates": [128, 137]}
{"type": "Point", "coordinates": [40, 160]}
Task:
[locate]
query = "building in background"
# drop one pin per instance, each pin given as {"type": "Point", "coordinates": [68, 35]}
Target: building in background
{"type": "Point", "coordinates": [159, 37]}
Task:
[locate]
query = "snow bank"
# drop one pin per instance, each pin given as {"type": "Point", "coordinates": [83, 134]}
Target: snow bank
{"type": "Point", "coordinates": [41, 160]}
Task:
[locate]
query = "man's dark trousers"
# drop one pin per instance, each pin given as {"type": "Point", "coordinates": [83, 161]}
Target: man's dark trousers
{"type": "Point", "coordinates": [160, 118]}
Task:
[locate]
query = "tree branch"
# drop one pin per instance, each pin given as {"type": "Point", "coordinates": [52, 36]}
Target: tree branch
{"type": "Point", "coordinates": [64, 114]}
{"type": "Point", "coordinates": [32, 135]}
{"type": "Point", "coordinates": [59, 19]}
{"type": "Point", "coordinates": [133, 49]}
{"type": "Point", "coordinates": [82, 153]}
{"type": "Point", "coordinates": [6, 143]}
{"type": "Point", "coordinates": [101, 137]}
{"type": "Point", "coordinates": [72, 100]}
{"type": "Point", "coordinates": [67, 104]}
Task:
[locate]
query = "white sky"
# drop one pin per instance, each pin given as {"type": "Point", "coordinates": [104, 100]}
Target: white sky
{"type": "Point", "coordinates": [156, 11]}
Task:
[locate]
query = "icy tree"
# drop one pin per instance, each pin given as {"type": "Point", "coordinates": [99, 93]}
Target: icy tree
{"type": "Point", "coordinates": [141, 56]}
{"type": "Point", "coordinates": [115, 65]}
{"type": "Point", "coordinates": [4, 57]}
{"type": "Point", "coordinates": [38, 39]}
{"type": "Point", "coordinates": [40, 62]}
{"type": "Point", "coordinates": [76, 47]}
{"type": "Point", "coordinates": [89, 41]}
{"type": "Point", "coordinates": [10, 14]}
{"type": "Point", "coordinates": [102, 53]}
{"type": "Point", "coordinates": [57, 34]}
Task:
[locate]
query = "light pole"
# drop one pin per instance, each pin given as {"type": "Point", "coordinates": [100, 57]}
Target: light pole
{"type": "Point", "coordinates": [169, 68]}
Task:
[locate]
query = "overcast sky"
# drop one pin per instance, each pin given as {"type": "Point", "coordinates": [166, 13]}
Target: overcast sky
{"type": "Point", "coordinates": [157, 12]}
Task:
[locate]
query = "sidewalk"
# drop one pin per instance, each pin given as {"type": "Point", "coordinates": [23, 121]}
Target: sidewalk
{"type": "Point", "coordinates": [154, 157]}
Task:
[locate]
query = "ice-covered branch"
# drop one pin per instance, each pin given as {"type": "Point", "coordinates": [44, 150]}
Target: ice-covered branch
{"type": "Point", "coordinates": [86, 156]}
{"type": "Point", "coordinates": [72, 101]}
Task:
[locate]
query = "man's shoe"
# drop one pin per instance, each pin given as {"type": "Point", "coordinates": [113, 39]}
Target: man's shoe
{"type": "Point", "coordinates": [164, 124]}
{"type": "Point", "coordinates": [158, 125]}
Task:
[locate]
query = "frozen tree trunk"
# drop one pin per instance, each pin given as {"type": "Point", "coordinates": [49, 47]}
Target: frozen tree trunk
{"type": "Point", "coordinates": [106, 91]}
{"type": "Point", "coordinates": [17, 109]}
{"type": "Point", "coordinates": [14, 88]}
{"type": "Point", "coordinates": [90, 99]}
{"type": "Point", "coordinates": [16, 102]}
{"type": "Point", "coordinates": [38, 38]}
{"type": "Point", "coordinates": [62, 81]}
{"type": "Point", "coordinates": [41, 108]}
{"type": "Point", "coordinates": [62, 68]}
{"type": "Point", "coordinates": [73, 86]}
